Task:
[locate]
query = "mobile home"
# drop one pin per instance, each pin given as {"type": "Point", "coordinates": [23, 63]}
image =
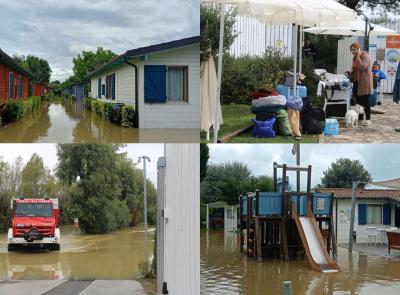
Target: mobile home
{"type": "Point", "coordinates": [14, 79]}
{"type": "Point", "coordinates": [162, 81]}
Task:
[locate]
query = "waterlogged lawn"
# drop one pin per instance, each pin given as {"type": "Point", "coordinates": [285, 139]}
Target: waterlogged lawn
{"type": "Point", "coordinates": [237, 116]}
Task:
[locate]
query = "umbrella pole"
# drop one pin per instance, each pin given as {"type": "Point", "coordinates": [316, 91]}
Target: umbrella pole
{"type": "Point", "coordinates": [220, 55]}
{"type": "Point", "coordinates": [295, 58]}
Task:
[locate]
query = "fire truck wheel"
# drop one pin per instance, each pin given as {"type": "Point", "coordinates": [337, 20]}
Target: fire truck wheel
{"type": "Point", "coordinates": [12, 247]}
{"type": "Point", "coordinates": [55, 247]}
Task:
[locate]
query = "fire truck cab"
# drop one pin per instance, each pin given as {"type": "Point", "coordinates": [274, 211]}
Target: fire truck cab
{"type": "Point", "coordinates": [34, 222]}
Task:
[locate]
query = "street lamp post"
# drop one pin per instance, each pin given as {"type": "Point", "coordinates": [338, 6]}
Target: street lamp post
{"type": "Point", "coordinates": [145, 159]}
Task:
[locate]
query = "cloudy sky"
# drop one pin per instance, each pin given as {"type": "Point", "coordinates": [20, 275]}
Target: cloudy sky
{"type": "Point", "coordinates": [58, 30]}
{"type": "Point", "coordinates": [9, 152]}
{"type": "Point", "coordinates": [381, 160]}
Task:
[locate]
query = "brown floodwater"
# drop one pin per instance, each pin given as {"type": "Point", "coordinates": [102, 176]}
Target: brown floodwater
{"type": "Point", "coordinates": [69, 122]}
{"type": "Point", "coordinates": [224, 270]}
{"type": "Point", "coordinates": [116, 255]}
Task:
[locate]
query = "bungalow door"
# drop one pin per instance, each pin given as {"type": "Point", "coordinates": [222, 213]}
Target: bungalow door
{"type": "Point", "coordinates": [397, 217]}
{"type": "Point", "coordinates": [11, 88]}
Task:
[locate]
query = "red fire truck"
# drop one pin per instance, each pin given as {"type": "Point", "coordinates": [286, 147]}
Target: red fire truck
{"type": "Point", "coordinates": [34, 222]}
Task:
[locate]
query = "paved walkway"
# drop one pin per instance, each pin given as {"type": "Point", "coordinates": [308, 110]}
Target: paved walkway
{"type": "Point", "coordinates": [64, 287]}
{"type": "Point", "coordinates": [381, 130]}
{"type": "Point", "coordinates": [378, 250]}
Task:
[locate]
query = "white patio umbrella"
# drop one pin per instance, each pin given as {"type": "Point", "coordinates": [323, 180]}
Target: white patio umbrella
{"type": "Point", "coordinates": [302, 12]}
{"type": "Point", "coordinates": [356, 28]}
{"type": "Point", "coordinates": [208, 95]}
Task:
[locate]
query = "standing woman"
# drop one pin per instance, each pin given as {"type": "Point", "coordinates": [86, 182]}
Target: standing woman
{"type": "Point", "coordinates": [362, 80]}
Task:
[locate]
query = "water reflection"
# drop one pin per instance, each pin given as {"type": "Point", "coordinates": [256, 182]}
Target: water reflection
{"type": "Point", "coordinates": [225, 271]}
{"type": "Point", "coordinates": [68, 121]}
{"type": "Point", "coordinates": [115, 255]}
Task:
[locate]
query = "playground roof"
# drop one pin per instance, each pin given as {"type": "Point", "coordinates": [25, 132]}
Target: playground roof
{"type": "Point", "coordinates": [377, 194]}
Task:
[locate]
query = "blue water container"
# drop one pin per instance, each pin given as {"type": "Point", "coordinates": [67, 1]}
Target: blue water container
{"type": "Point", "coordinates": [331, 127]}
{"type": "Point", "coordinates": [288, 91]}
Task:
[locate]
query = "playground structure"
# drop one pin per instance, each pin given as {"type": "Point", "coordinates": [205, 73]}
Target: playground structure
{"type": "Point", "coordinates": [287, 224]}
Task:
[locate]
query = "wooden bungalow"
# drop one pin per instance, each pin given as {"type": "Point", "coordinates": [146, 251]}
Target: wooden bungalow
{"type": "Point", "coordinates": [162, 81]}
{"type": "Point", "coordinates": [14, 79]}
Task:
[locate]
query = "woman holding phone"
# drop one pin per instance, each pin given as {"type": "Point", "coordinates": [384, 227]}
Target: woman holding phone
{"type": "Point", "coordinates": [362, 80]}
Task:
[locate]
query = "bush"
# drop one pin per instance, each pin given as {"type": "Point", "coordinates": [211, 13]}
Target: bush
{"type": "Point", "coordinates": [17, 109]}
{"type": "Point", "coordinates": [128, 116]}
{"type": "Point", "coordinates": [108, 111]}
{"type": "Point", "coordinates": [244, 74]}
{"type": "Point", "coordinates": [87, 102]}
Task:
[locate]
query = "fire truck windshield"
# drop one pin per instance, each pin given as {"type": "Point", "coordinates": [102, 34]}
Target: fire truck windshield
{"type": "Point", "coordinates": [34, 210]}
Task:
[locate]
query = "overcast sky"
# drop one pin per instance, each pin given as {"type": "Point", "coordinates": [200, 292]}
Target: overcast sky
{"type": "Point", "coordinates": [58, 30]}
{"type": "Point", "coordinates": [9, 152]}
{"type": "Point", "coordinates": [381, 160]}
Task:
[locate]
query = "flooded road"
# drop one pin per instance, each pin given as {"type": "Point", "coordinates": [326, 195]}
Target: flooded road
{"type": "Point", "coordinates": [224, 270]}
{"type": "Point", "coordinates": [116, 255]}
{"type": "Point", "coordinates": [69, 122]}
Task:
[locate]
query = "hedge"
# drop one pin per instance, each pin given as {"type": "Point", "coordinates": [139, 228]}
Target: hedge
{"type": "Point", "coordinates": [241, 75]}
{"type": "Point", "coordinates": [126, 117]}
{"type": "Point", "coordinates": [17, 109]}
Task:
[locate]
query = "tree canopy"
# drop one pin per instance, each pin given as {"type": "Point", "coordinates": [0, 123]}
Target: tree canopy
{"type": "Point", "coordinates": [386, 5]}
{"type": "Point", "coordinates": [225, 182]}
{"type": "Point", "coordinates": [209, 28]}
{"type": "Point", "coordinates": [204, 156]}
{"type": "Point", "coordinates": [343, 172]}
{"type": "Point", "coordinates": [87, 61]}
{"type": "Point", "coordinates": [39, 67]}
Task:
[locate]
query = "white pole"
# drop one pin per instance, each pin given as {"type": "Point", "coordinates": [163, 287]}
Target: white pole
{"type": "Point", "coordinates": [295, 58]}
{"type": "Point", "coordinates": [353, 205]}
{"type": "Point", "coordinates": [145, 209]}
{"type": "Point", "coordinates": [220, 55]}
{"type": "Point", "coordinates": [207, 219]}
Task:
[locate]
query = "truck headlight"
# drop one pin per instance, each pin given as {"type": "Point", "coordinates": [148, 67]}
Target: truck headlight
{"type": "Point", "coordinates": [20, 225]}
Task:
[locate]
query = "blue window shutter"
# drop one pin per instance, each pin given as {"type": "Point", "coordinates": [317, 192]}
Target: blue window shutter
{"type": "Point", "coordinates": [107, 86]}
{"type": "Point", "coordinates": [387, 218]}
{"type": "Point", "coordinates": [99, 88]}
{"type": "Point", "coordinates": [155, 84]}
{"type": "Point", "coordinates": [362, 214]}
{"type": "Point", "coordinates": [113, 86]}
{"type": "Point", "coordinates": [20, 87]}
{"type": "Point", "coordinates": [11, 85]}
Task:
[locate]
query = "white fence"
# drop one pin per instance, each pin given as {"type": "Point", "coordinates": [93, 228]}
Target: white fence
{"type": "Point", "coordinates": [254, 37]}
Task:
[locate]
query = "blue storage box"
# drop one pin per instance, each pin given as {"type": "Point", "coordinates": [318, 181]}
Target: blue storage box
{"type": "Point", "coordinates": [288, 91]}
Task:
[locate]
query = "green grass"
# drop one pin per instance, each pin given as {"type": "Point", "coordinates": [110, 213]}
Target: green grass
{"type": "Point", "coordinates": [237, 116]}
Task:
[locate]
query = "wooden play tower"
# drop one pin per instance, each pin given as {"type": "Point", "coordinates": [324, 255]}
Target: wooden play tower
{"type": "Point", "coordinates": [289, 224]}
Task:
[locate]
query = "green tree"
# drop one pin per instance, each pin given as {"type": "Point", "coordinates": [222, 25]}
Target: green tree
{"type": "Point", "coordinates": [56, 87]}
{"type": "Point", "coordinates": [225, 182]}
{"type": "Point", "coordinates": [209, 28]}
{"type": "Point", "coordinates": [204, 156]}
{"type": "Point", "coordinates": [87, 61]}
{"type": "Point", "coordinates": [36, 181]}
{"type": "Point", "coordinates": [91, 170]}
{"type": "Point", "coordinates": [343, 172]}
{"type": "Point", "coordinates": [375, 5]}
{"type": "Point", "coordinates": [39, 67]}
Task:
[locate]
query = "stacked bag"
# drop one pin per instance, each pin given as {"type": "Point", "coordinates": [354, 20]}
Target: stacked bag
{"type": "Point", "coordinates": [271, 118]}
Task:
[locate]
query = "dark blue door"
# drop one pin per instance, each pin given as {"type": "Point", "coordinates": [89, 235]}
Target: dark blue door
{"type": "Point", "coordinates": [99, 88]}
{"type": "Point", "coordinates": [11, 86]}
{"type": "Point", "coordinates": [20, 87]}
{"type": "Point", "coordinates": [155, 84]}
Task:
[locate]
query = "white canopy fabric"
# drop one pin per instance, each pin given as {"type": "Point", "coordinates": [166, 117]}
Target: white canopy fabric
{"type": "Point", "coordinates": [208, 94]}
{"type": "Point", "coordinates": [393, 183]}
{"type": "Point", "coordinates": [303, 12]}
{"type": "Point", "coordinates": [356, 28]}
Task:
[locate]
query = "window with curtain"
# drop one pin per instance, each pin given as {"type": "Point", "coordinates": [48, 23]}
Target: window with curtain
{"type": "Point", "coordinates": [374, 214]}
{"type": "Point", "coordinates": [177, 84]}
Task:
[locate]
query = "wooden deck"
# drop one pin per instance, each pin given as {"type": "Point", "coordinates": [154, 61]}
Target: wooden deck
{"type": "Point", "coordinates": [378, 250]}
